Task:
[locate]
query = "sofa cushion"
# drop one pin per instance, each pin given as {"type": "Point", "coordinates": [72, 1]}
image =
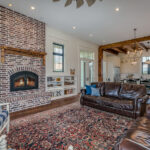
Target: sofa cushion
{"type": "Point", "coordinates": [101, 86]}
{"type": "Point", "coordinates": [91, 99]}
{"type": "Point", "coordinates": [131, 91]}
{"type": "Point", "coordinates": [109, 102]}
{"type": "Point", "coordinates": [112, 89]}
{"type": "Point", "coordinates": [116, 103]}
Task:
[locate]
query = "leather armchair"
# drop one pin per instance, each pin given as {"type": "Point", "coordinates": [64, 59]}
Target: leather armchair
{"type": "Point", "coordinates": [138, 136]}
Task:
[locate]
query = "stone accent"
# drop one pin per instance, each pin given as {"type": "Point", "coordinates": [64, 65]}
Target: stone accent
{"type": "Point", "coordinates": [20, 31]}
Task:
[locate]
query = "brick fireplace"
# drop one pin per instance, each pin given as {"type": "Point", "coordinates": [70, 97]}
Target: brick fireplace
{"type": "Point", "coordinates": [20, 31]}
{"type": "Point", "coordinates": [23, 80]}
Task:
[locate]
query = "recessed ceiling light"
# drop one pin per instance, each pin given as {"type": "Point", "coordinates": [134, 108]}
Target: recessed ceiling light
{"type": "Point", "coordinates": [9, 5]}
{"type": "Point", "coordinates": [90, 35]}
{"type": "Point", "coordinates": [74, 27]}
{"type": "Point", "coordinates": [117, 9]}
{"type": "Point", "coordinates": [32, 7]}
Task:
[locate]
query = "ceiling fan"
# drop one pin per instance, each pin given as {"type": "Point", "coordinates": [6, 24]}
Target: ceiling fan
{"type": "Point", "coordinates": [79, 2]}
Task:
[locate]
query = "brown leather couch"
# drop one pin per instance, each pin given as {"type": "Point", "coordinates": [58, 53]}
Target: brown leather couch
{"type": "Point", "coordinates": [124, 99]}
{"type": "Point", "coordinates": [138, 136]}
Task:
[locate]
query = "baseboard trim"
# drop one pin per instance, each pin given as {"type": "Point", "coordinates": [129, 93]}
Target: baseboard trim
{"type": "Point", "coordinates": [53, 104]}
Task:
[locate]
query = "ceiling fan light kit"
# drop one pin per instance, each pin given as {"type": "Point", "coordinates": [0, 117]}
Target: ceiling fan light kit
{"type": "Point", "coordinates": [79, 3]}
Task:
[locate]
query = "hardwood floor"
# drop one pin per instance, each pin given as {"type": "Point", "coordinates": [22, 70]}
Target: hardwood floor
{"type": "Point", "coordinates": [54, 104]}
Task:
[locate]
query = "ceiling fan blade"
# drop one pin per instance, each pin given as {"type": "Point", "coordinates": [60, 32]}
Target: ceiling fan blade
{"type": "Point", "coordinates": [90, 2]}
{"type": "Point", "coordinates": [79, 3]}
{"type": "Point", "coordinates": [68, 2]}
{"type": "Point", "coordinates": [56, 0]}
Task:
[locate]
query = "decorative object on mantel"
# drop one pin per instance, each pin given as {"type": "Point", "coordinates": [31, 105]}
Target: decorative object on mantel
{"type": "Point", "coordinates": [72, 71]}
{"type": "Point", "coordinates": [22, 52]}
{"type": "Point", "coordinates": [79, 2]}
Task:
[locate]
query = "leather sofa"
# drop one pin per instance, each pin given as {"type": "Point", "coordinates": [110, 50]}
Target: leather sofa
{"type": "Point", "coordinates": [138, 136]}
{"type": "Point", "coordinates": [124, 99]}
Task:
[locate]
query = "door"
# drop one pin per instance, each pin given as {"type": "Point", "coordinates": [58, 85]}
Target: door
{"type": "Point", "coordinates": [110, 72]}
{"type": "Point", "coordinates": [87, 72]}
{"type": "Point", "coordinates": [104, 71]}
{"type": "Point", "coordinates": [116, 74]}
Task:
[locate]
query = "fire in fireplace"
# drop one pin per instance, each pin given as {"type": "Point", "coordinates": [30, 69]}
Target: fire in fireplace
{"type": "Point", "coordinates": [24, 80]}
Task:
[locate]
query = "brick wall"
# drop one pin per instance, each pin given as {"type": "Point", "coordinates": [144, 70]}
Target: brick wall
{"type": "Point", "coordinates": [20, 31]}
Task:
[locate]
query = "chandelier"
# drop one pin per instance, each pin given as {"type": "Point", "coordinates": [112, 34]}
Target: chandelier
{"type": "Point", "coordinates": [135, 52]}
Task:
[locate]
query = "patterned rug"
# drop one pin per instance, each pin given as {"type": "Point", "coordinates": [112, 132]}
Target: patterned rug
{"type": "Point", "coordinates": [84, 128]}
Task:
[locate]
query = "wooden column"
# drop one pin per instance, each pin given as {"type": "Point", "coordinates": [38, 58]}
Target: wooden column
{"type": "Point", "coordinates": [100, 64]}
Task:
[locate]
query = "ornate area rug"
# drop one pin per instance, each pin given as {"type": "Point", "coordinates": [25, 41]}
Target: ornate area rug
{"type": "Point", "coordinates": [84, 128]}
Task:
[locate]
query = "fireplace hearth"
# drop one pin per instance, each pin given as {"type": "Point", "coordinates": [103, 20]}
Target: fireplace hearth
{"type": "Point", "coordinates": [24, 80]}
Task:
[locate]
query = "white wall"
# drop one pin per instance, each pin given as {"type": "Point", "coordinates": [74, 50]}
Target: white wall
{"type": "Point", "coordinates": [72, 47]}
{"type": "Point", "coordinates": [109, 62]}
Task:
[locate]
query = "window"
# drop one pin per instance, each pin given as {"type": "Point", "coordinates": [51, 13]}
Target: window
{"type": "Point", "coordinates": [58, 57]}
{"type": "Point", "coordinates": [145, 66]}
{"type": "Point", "coordinates": [87, 55]}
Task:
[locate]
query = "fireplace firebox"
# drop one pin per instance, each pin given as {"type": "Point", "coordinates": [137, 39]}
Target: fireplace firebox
{"type": "Point", "coordinates": [24, 80]}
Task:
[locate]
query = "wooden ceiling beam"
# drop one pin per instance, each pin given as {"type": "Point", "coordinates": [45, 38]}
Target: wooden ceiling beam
{"type": "Point", "coordinates": [129, 47]}
{"type": "Point", "coordinates": [119, 50]}
{"type": "Point", "coordinates": [111, 51]}
{"type": "Point", "coordinates": [142, 45]}
{"type": "Point", "coordinates": [127, 42]}
{"type": "Point", "coordinates": [124, 50]}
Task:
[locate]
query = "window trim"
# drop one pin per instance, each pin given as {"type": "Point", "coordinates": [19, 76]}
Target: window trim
{"type": "Point", "coordinates": [148, 72]}
{"type": "Point", "coordinates": [58, 54]}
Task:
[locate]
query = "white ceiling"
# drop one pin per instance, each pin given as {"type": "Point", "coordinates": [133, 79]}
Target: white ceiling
{"type": "Point", "coordinates": [101, 20]}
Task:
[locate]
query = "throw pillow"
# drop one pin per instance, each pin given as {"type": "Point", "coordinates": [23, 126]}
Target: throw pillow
{"type": "Point", "coordinates": [88, 89]}
{"type": "Point", "coordinates": [95, 91]}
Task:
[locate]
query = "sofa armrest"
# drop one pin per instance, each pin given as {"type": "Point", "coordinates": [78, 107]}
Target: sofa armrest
{"type": "Point", "coordinates": [140, 105]}
{"type": "Point", "coordinates": [148, 110]}
{"type": "Point", "coordinates": [83, 92]}
{"type": "Point", "coordinates": [143, 99]}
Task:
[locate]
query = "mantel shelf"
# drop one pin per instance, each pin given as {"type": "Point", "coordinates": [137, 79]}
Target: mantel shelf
{"type": "Point", "coordinates": [22, 52]}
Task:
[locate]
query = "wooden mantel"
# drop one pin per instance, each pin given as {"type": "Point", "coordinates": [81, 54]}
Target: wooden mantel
{"type": "Point", "coordinates": [22, 52]}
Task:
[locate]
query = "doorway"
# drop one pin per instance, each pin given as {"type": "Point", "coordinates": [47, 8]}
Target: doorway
{"type": "Point", "coordinates": [87, 68]}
